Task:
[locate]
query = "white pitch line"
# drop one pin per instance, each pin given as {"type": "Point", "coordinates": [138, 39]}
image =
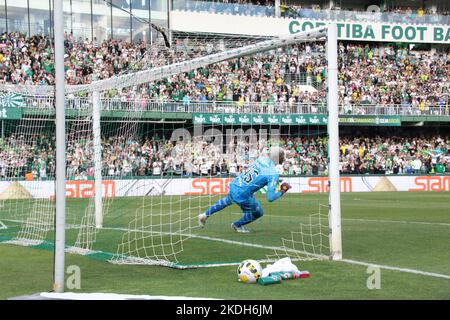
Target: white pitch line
{"type": "Point", "coordinates": [113, 296]}
{"type": "Point", "coordinates": [401, 221]}
{"type": "Point", "coordinates": [254, 245]}
{"type": "Point", "coordinates": [364, 220]}
{"type": "Point", "coordinates": [290, 217]}
{"type": "Point", "coordinates": [323, 257]}
{"type": "Point", "coordinates": [17, 221]}
{"type": "Point", "coordinates": [407, 270]}
{"type": "Point", "coordinates": [20, 222]}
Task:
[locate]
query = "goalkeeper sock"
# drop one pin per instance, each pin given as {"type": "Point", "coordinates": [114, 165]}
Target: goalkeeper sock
{"type": "Point", "coordinates": [219, 205]}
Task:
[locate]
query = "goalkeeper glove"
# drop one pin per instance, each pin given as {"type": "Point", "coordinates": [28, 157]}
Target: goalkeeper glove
{"type": "Point", "coordinates": [285, 187]}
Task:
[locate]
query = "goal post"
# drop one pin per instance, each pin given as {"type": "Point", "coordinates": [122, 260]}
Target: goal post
{"type": "Point", "coordinates": [333, 133]}
{"type": "Point", "coordinates": [60, 219]}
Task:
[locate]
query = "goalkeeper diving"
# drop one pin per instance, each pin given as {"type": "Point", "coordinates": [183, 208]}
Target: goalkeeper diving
{"type": "Point", "coordinates": [262, 172]}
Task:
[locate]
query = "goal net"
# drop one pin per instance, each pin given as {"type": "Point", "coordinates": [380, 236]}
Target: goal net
{"type": "Point", "coordinates": [149, 151]}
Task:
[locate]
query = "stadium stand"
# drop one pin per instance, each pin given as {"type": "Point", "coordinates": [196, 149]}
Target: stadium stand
{"type": "Point", "coordinates": [370, 74]}
{"type": "Point", "coordinates": [148, 155]}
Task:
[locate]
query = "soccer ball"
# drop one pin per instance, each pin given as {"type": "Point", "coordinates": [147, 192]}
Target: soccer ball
{"type": "Point", "coordinates": [249, 271]}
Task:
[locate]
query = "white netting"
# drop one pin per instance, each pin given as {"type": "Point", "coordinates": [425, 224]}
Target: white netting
{"type": "Point", "coordinates": [310, 241]}
{"type": "Point", "coordinates": [112, 136]}
{"type": "Point", "coordinates": [145, 221]}
{"type": "Point", "coordinates": [25, 155]}
{"type": "Point", "coordinates": [164, 222]}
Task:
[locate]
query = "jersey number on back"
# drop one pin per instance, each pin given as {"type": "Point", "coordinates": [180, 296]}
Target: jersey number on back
{"type": "Point", "coordinates": [250, 175]}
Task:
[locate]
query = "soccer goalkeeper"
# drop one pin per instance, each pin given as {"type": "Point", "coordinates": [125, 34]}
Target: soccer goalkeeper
{"type": "Point", "coordinates": [260, 174]}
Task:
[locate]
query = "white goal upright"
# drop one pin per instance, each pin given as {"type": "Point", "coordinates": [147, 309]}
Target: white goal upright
{"type": "Point", "coordinates": [147, 221]}
{"type": "Point", "coordinates": [333, 128]}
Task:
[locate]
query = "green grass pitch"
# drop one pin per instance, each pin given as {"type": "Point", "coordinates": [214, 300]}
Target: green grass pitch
{"type": "Point", "coordinates": [402, 230]}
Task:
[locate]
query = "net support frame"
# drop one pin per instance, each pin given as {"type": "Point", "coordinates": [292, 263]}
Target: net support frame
{"type": "Point", "coordinates": [96, 113]}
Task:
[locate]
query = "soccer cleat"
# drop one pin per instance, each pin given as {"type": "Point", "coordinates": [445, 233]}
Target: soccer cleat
{"type": "Point", "coordinates": [202, 220]}
{"type": "Point", "coordinates": [240, 229]}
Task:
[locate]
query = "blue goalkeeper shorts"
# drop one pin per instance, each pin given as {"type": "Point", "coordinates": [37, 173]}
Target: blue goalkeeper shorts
{"type": "Point", "coordinates": [248, 204]}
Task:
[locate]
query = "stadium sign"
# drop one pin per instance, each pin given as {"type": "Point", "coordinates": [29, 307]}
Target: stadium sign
{"type": "Point", "coordinates": [380, 32]}
{"type": "Point", "coordinates": [357, 29]}
{"type": "Point", "coordinates": [258, 119]}
{"type": "Point", "coordinates": [10, 113]}
{"type": "Point", "coordinates": [215, 186]}
{"type": "Point", "coordinates": [370, 120]}
{"type": "Point", "coordinates": [289, 120]}
{"type": "Point", "coordinates": [11, 100]}
{"type": "Point", "coordinates": [10, 104]}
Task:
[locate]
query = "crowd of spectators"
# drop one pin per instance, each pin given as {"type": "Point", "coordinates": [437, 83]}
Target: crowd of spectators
{"type": "Point", "coordinates": [383, 76]}
{"type": "Point", "coordinates": [382, 14]}
{"type": "Point", "coordinates": [262, 8]}
{"type": "Point", "coordinates": [133, 156]}
{"type": "Point", "coordinates": [395, 155]}
{"type": "Point", "coordinates": [300, 10]}
{"type": "Point", "coordinates": [368, 73]}
{"type": "Point", "coordinates": [30, 60]}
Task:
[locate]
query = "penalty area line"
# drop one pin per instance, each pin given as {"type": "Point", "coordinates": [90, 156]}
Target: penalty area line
{"type": "Point", "coordinates": [406, 270]}
{"type": "Point", "coordinates": [443, 224]}
{"type": "Point", "coordinates": [399, 221]}
{"type": "Point", "coordinates": [367, 264]}
{"type": "Point", "coordinates": [322, 257]}
{"type": "Point", "coordinates": [260, 246]}
{"type": "Point", "coordinates": [234, 242]}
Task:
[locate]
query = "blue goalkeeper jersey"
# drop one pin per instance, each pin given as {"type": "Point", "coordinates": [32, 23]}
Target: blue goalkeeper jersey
{"type": "Point", "coordinates": [260, 174]}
